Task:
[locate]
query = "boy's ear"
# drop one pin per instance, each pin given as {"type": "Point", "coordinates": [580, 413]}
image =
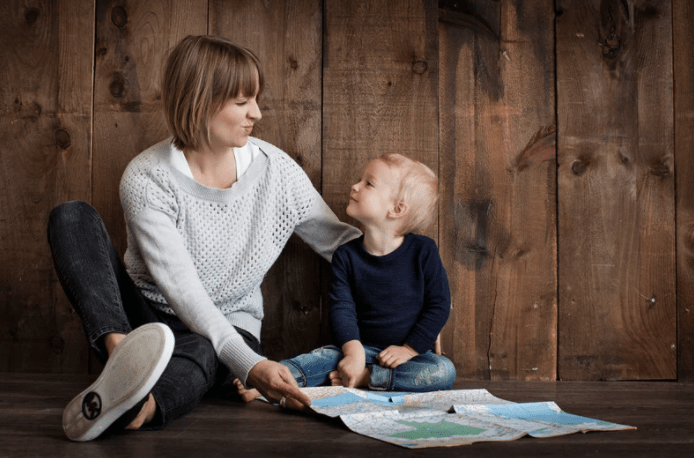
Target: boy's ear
{"type": "Point", "coordinates": [398, 210]}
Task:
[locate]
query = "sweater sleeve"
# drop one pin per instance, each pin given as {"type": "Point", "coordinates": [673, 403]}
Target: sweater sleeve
{"type": "Point", "coordinates": [150, 220]}
{"type": "Point", "coordinates": [321, 229]}
{"type": "Point", "coordinates": [343, 310]}
{"type": "Point", "coordinates": [437, 302]}
{"type": "Point", "coordinates": [317, 226]}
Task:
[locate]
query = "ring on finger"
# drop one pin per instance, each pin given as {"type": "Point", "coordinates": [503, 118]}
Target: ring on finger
{"type": "Point", "coordinates": [283, 402]}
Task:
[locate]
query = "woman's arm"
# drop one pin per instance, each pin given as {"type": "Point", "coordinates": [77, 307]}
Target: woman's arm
{"type": "Point", "coordinates": [163, 250]}
{"type": "Point", "coordinates": [321, 229]}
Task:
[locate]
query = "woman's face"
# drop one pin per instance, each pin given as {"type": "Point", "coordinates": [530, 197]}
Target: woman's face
{"type": "Point", "coordinates": [232, 125]}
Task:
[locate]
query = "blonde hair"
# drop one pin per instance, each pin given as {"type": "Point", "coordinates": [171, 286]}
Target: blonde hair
{"type": "Point", "coordinates": [418, 189]}
{"type": "Point", "coordinates": [201, 74]}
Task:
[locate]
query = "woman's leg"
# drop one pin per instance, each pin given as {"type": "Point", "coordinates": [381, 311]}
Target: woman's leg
{"type": "Point", "coordinates": [92, 275]}
{"type": "Point", "coordinates": [188, 376]}
{"type": "Point", "coordinates": [312, 369]}
{"type": "Point", "coordinates": [425, 372]}
{"type": "Point", "coordinates": [110, 306]}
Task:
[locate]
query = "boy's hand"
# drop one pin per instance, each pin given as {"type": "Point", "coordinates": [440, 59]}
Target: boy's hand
{"type": "Point", "coordinates": [351, 371]}
{"type": "Point", "coordinates": [395, 355]}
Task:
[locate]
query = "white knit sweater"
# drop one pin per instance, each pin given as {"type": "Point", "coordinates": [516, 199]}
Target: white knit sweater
{"type": "Point", "coordinates": [201, 253]}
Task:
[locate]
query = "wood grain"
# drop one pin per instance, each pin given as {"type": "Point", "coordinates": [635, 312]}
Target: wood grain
{"type": "Point", "coordinates": [287, 37]}
{"type": "Point", "coordinates": [498, 214]}
{"type": "Point", "coordinates": [132, 39]}
{"type": "Point", "coordinates": [45, 135]}
{"type": "Point", "coordinates": [616, 191]}
{"type": "Point", "coordinates": [683, 37]}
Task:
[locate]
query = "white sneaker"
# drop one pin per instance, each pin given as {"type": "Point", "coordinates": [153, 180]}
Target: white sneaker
{"type": "Point", "coordinates": [129, 375]}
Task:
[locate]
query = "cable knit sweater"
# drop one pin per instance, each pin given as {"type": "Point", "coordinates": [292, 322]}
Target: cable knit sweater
{"type": "Point", "coordinates": [201, 253]}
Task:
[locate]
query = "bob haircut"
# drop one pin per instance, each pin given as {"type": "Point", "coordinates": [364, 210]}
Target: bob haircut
{"type": "Point", "coordinates": [418, 189]}
{"type": "Point", "coordinates": [201, 74]}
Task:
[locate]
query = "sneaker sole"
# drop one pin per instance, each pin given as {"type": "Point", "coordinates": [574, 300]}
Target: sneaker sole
{"type": "Point", "coordinates": [128, 376]}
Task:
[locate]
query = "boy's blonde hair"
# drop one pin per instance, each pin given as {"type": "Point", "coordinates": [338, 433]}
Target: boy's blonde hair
{"type": "Point", "coordinates": [418, 189]}
{"type": "Point", "coordinates": [201, 74]}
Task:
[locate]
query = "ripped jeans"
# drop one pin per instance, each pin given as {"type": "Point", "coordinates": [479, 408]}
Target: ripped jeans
{"type": "Point", "coordinates": [425, 372]}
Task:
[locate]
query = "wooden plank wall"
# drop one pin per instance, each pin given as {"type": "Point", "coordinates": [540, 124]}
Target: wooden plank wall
{"type": "Point", "coordinates": [616, 191]}
{"type": "Point", "coordinates": [561, 133]}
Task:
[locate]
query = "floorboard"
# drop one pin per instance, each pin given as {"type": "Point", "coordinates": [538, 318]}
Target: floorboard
{"type": "Point", "coordinates": [31, 408]}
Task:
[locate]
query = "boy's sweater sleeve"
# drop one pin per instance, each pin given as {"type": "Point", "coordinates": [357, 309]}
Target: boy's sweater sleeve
{"type": "Point", "coordinates": [343, 310]}
{"type": "Point", "coordinates": [152, 226]}
{"type": "Point", "coordinates": [437, 302]}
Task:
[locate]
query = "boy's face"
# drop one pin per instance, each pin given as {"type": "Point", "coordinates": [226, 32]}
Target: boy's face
{"type": "Point", "coordinates": [374, 195]}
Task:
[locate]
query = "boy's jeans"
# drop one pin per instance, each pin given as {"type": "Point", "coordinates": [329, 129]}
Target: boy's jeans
{"type": "Point", "coordinates": [425, 372]}
{"type": "Point", "coordinates": [103, 295]}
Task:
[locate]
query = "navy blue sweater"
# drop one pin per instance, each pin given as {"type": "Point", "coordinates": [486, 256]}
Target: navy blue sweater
{"type": "Point", "coordinates": [396, 299]}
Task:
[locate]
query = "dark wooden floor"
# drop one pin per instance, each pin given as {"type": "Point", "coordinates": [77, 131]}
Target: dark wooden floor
{"type": "Point", "coordinates": [31, 407]}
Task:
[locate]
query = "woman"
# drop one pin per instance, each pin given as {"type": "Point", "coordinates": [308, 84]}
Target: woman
{"type": "Point", "coordinates": [207, 212]}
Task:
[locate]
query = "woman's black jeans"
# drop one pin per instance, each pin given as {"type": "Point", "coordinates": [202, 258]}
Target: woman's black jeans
{"type": "Point", "coordinates": [106, 299]}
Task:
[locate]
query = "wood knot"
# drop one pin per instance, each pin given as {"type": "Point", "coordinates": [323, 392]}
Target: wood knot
{"type": "Point", "coordinates": [660, 170]}
{"type": "Point", "coordinates": [293, 64]}
{"type": "Point", "coordinates": [419, 67]}
{"type": "Point", "coordinates": [101, 51]}
{"type": "Point", "coordinates": [57, 345]}
{"type": "Point", "coordinates": [119, 17]}
{"type": "Point", "coordinates": [62, 138]}
{"type": "Point", "coordinates": [611, 45]}
{"type": "Point", "coordinates": [117, 86]}
{"type": "Point", "coordinates": [31, 15]}
{"type": "Point", "coordinates": [579, 167]}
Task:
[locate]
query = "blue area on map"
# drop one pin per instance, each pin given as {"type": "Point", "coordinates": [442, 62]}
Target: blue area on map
{"type": "Point", "coordinates": [538, 411]}
{"type": "Point", "coordinates": [349, 398]}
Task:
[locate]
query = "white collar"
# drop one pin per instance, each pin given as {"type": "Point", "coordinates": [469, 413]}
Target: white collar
{"type": "Point", "coordinates": [244, 158]}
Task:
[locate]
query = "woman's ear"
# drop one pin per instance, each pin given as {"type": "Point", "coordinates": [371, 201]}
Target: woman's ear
{"type": "Point", "coordinates": [399, 210]}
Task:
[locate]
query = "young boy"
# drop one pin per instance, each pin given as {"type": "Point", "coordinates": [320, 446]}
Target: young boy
{"type": "Point", "coordinates": [389, 290]}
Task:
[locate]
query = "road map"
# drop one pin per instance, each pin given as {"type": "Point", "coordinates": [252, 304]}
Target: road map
{"type": "Point", "coordinates": [446, 418]}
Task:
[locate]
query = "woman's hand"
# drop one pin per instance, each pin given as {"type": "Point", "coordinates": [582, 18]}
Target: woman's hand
{"type": "Point", "coordinates": [274, 381]}
{"type": "Point", "coordinates": [395, 355]}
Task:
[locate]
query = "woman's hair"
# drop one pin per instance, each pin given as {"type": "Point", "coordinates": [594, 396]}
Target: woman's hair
{"type": "Point", "coordinates": [418, 189]}
{"type": "Point", "coordinates": [201, 74]}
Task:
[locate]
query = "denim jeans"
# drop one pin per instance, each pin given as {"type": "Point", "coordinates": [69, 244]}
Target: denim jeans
{"type": "Point", "coordinates": [425, 372]}
{"type": "Point", "coordinates": [106, 299]}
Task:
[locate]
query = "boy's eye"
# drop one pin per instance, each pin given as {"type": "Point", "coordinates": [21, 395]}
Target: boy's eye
{"type": "Point", "coordinates": [241, 103]}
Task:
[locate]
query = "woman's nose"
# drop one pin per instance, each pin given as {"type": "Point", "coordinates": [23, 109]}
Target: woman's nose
{"type": "Point", "coordinates": [254, 112]}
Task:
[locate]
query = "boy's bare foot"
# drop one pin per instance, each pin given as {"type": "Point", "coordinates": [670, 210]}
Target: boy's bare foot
{"type": "Point", "coordinates": [247, 395]}
{"type": "Point", "coordinates": [335, 379]}
{"type": "Point", "coordinates": [362, 381]}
